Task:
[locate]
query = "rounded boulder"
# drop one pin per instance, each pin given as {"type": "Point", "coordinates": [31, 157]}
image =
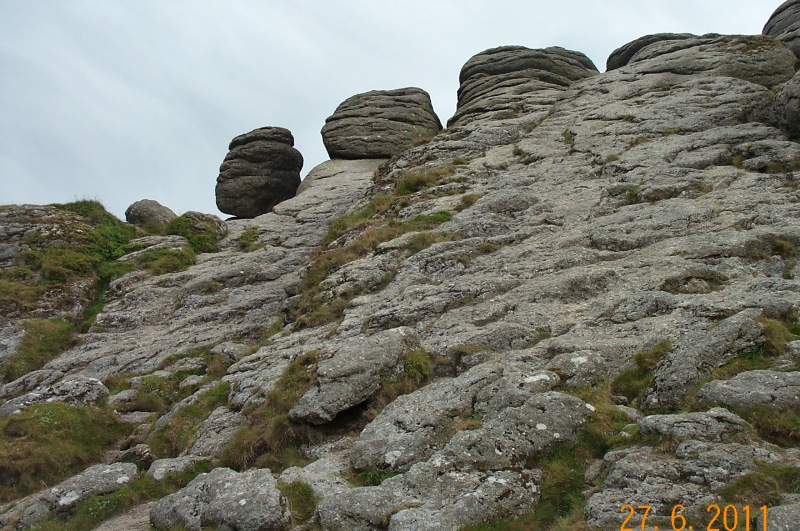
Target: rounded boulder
{"type": "Point", "coordinates": [380, 124]}
{"type": "Point", "coordinates": [261, 169]}
{"type": "Point", "coordinates": [148, 211]}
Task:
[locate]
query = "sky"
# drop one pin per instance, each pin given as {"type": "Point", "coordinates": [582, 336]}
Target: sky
{"type": "Point", "coordinates": [121, 100]}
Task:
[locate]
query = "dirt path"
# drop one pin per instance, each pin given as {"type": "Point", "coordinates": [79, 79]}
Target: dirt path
{"type": "Point", "coordinates": [137, 519]}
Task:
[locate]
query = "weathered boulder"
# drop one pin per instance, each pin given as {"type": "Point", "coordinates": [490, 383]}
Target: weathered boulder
{"type": "Point", "coordinates": [353, 373]}
{"type": "Point", "coordinates": [380, 124]}
{"type": "Point", "coordinates": [752, 389]}
{"type": "Point", "coordinates": [261, 169]}
{"type": "Point", "coordinates": [784, 24]}
{"type": "Point", "coordinates": [64, 497]}
{"type": "Point", "coordinates": [780, 518]}
{"type": "Point", "coordinates": [73, 390]}
{"type": "Point", "coordinates": [248, 501]}
{"type": "Point", "coordinates": [786, 107]}
{"type": "Point", "coordinates": [160, 468]}
{"type": "Point", "coordinates": [217, 431]}
{"type": "Point", "coordinates": [622, 55]}
{"type": "Point", "coordinates": [148, 211]}
{"type": "Point", "coordinates": [507, 81]}
{"type": "Point", "coordinates": [714, 425]}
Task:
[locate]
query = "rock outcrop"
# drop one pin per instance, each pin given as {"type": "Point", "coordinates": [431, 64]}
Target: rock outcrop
{"type": "Point", "coordinates": [261, 169]}
{"type": "Point", "coordinates": [510, 81]}
{"type": "Point", "coordinates": [380, 124]}
{"type": "Point", "coordinates": [227, 499]}
{"type": "Point", "coordinates": [581, 295]}
{"type": "Point", "coordinates": [149, 211]}
{"type": "Point", "coordinates": [784, 25]}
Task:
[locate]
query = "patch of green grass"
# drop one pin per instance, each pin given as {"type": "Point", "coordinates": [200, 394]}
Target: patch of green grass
{"type": "Point", "coordinates": [201, 240]}
{"type": "Point", "coordinates": [632, 383]}
{"type": "Point", "coordinates": [415, 182]}
{"type": "Point", "coordinates": [672, 131]}
{"type": "Point", "coordinates": [776, 335]}
{"type": "Point", "coordinates": [97, 509]}
{"type": "Point", "coordinates": [639, 140]}
{"type": "Point", "coordinates": [467, 200]}
{"type": "Point", "coordinates": [427, 221]}
{"type": "Point", "coordinates": [379, 205]}
{"type": "Point", "coordinates": [423, 240]}
{"type": "Point", "coordinates": [302, 501]}
{"type": "Point", "coordinates": [369, 477]}
{"type": "Point", "coordinates": [781, 427]}
{"type": "Point", "coordinates": [46, 443]}
{"type": "Point", "coordinates": [160, 261]}
{"type": "Point", "coordinates": [762, 487]}
{"type": "Point", "coordinates": [417, 370]}
{"type": "Point", "coordinates": [248, 240]}
{"type": "Point", "coordinates": [271, 439]}
{"type": "Point", "coordinates": [178, 435]}
{"type": "Point", "coordinates": [43, 340]}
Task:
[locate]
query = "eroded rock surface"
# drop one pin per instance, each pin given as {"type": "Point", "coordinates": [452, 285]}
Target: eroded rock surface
{"type": "Point", "coordinates": [261, 169]}
{"type": "Point", "coordinates": [380, 124]}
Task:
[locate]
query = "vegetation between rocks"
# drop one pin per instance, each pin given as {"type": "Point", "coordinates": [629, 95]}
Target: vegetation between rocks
{"type": "Point", "coordinates": [562, 501]}
{"type": "Point", "coordinates": [302, 501]}
{"type": "Point", "coordinates": [43, 340]}
{"type": "Point", "coordinates": [632, 383]}
{"type": "Point", "coordinates": [97, 509]}
{"type": "Point", "coordinates": [271, 439]}
{"type": "Point", "coordinates": [178, 435]}
{"type": "Point", "coordinates": [46, 443]}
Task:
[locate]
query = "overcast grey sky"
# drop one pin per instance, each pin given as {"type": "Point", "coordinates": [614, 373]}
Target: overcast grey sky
{"type": "Point", "coordinates": [120, 100]}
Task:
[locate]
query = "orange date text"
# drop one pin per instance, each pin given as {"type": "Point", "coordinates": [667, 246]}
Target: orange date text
{"type": "Point", "coordinates": [720, 518]}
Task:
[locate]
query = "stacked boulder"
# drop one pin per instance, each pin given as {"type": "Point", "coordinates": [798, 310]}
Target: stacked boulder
{"type": "Point", "coordinates": [784, 25]}
{"type": "Point", "coordinates": [261, 169]}
{"type": "Point", "coordinates": [380, 124]}
{"type": "Point", "coordinates": [503, 82]}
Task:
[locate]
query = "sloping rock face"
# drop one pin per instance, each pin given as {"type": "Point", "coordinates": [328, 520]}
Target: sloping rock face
{"type": "Point", "coordinates": [512, 80]}
{"type": "Point", "coordinates": [260, 170]}
{"type": "Point", "coordinates": [380, 124]}
{"type": "Point", "coordinates": [529, 292]}
{"type": "Point", "coordinates": [784, 25]}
